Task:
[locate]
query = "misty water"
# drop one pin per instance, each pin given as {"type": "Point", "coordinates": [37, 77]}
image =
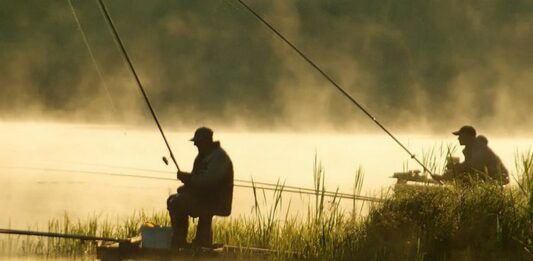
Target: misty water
{"type": "Point", "coordinates": [49, 169]}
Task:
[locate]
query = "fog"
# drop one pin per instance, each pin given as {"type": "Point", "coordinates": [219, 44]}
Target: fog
{"type": "Point", "coordinates": [49, 169]}
{"type": "Point", "coordinates": [416, 65]}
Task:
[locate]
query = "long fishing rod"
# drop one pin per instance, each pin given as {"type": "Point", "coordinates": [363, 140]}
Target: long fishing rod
{"type": "Point", "coordinates": [236, 180]}
{"type": "Point", "coordinates": [339, 88]}
{"type": "Point", "coordinates": [248, 184]}
{"type": "Point", "coordinates": [60, 235]}
{"type": "Point", "coordinates": [129, 242]}
{"type": "Point", "coordinates": [137, 80]}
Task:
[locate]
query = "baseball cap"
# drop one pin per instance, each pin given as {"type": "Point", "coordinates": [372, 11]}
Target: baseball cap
{"type": "Point", "coordinates": [468, 130]}
{"type": "Point", "coordinates": [202, 133]}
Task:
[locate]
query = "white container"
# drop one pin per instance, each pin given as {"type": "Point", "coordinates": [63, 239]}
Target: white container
{"type": "Point", "coordinates": [156, 237]}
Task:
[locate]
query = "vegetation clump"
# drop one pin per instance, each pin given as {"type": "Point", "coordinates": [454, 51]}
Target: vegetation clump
{"type": "Point", "coordinates": [481, 222]}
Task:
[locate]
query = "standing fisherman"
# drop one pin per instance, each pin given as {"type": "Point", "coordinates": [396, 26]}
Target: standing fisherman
{"type": "Point", "coordinates": [207, 191]}
{"type": "Point", "coordinates": [480, 164]}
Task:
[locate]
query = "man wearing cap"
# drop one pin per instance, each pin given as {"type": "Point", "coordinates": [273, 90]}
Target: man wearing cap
{"type": "Point", "coordinates": [480, 164]}
{"type": "Point", "coordinates": [207, 191]}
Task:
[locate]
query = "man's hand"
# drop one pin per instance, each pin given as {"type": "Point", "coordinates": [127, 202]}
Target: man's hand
{"type": "Point", "coordinates": [184, 177]}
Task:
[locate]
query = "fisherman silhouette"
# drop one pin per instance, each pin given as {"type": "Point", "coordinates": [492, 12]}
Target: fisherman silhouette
{"type": "Point", "coordinates": [207, 191]}
{"type": "Point", "coordinates": [481, 164]}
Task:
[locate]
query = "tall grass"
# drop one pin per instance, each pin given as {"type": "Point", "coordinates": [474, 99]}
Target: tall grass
{"type": "Point", "coordinates": [316, 235]}
{"type": "Point", "coordinates": [482, 222]}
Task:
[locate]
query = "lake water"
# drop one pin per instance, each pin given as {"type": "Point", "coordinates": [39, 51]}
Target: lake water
{"type": "Point", "coordinates": [48, 169]}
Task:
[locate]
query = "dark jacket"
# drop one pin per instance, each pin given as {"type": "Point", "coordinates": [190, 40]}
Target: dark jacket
{"type": "Point", "coordinates": [481, 163]}
{"type": "Point", "coordinates": [212, 181]}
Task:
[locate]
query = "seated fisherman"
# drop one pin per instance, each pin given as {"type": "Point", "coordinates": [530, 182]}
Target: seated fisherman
{"type": "Point", "coordinates": [207, 191]}
{"type": "Point", "coordinates": [480, 164]}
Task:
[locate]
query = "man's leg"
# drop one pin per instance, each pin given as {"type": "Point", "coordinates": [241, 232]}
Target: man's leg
{"type": "Point", "coordinates": [179, 219]}
{"type": "Point", "coordinates": [204, 233]}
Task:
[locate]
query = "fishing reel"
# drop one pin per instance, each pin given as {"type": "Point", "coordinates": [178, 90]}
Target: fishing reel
{"type": "Point", "coordinates": [414, 176]}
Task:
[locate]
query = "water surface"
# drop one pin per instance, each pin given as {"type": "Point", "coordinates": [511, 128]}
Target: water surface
{"type": "Point", "coordinates": [48, 169]}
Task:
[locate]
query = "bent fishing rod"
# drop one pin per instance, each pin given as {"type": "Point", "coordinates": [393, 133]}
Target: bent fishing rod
{"type": "Point", "coordinates": [339, 88]}
{"type": "Point", "coordinates": [137, 80]}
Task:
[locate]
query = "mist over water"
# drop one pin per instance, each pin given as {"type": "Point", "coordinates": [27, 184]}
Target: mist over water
{"type": "Point", "coordinates": [49, 169]}
{"type": "Point", "coordinates": [416, 65]}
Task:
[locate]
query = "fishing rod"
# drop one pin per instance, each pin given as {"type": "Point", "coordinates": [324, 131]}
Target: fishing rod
{"type": "Point", "coordinates": [129, 244]}
{"type": "Point", "coordinates": [248, 184]}
{"type": "Point", "coordinates": [339, 88]}
{"type": "Point", "coordinates": [137, 80]}
{"type": "Point", "coordinates": [60, 235]}
{"type": "Point", "coordinates": [236, 180]}
{"type": "Point", "coordinates": [315, 193]}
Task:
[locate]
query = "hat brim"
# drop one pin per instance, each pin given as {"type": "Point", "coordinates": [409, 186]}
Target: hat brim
{"type": "Point", "coordinates": [456, 133]}
{"type": "Point", "coordinates": [191, 139]}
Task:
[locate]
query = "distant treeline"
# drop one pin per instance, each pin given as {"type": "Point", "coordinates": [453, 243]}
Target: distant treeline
{"type": "Point", "coordinates": [426, 62]}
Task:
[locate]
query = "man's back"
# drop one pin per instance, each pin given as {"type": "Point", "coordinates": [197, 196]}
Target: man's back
{"type": "Point", "coordinates": [484, 163]}
{"type": "Point", "coordinates": [212, 180]}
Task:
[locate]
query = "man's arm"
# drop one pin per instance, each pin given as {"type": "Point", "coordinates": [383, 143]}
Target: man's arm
{"type": "Point", "coordinates": [453, 170]}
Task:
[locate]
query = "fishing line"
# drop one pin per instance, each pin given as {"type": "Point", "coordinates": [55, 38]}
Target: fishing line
{"type": "Point", "coordinates": [266, 186]}
{"type": "Point", "coordinates": [339, 88]}
{"type": "Point", "coordinates": [167, 172]}
{"type": "Point", "coordinates": [95, 63]}
{"type": "Point", "coordinates": [137, 80]}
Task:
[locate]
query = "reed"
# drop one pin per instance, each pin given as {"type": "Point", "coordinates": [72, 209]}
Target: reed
{"type": "Point", "coordinates": [416, 223]}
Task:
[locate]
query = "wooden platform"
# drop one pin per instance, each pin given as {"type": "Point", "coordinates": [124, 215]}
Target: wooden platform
{"type": "Point", "coordinates": [113, 251]}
